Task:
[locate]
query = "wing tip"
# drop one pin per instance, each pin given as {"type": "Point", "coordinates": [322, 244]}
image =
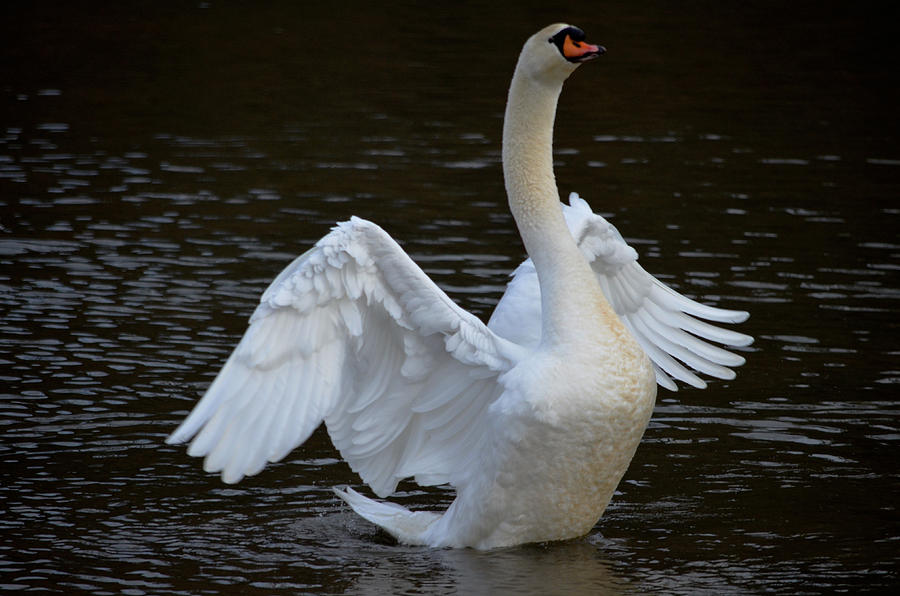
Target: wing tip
{"type": "Point", "coordinates": [174, 439]}
{"type": "Point", "coordinates": [180, 435]}
{"type": "Point", "coordinates": [741, 340]}
{"type": "Point", "coordinates": [231, 476]}
{"type": "Point", "coordinates": [739, 316]}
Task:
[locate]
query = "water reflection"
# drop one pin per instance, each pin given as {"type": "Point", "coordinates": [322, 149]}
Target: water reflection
{"type": "Point", "coordinates": [570, 568]}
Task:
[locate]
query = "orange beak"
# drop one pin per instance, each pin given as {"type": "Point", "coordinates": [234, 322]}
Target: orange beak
{"type": "Point", "coordinates": [579, 51]}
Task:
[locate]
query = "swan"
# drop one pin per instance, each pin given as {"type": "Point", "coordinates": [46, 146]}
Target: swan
{"type": "Point", "coordinates": [532, 418]}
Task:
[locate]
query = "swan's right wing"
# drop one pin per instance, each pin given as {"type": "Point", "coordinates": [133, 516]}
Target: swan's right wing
{"type": "Point", "coordinates": [355, 333]}
{"type": "Point", "coordinates": [666, 324]}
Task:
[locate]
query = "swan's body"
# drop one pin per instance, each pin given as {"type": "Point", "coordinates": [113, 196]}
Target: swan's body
{"type": "Point", "coordinates": [533, 418]}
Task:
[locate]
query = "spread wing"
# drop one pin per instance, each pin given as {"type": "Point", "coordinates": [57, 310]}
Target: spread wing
{"type": "Point", "coordinates": [671, 328]}
{"type": "Point", "coordinates": [356, 334]}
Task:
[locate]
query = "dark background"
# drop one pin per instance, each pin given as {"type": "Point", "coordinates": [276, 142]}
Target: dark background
{"type": "Point", "coordinates": [161, 162]}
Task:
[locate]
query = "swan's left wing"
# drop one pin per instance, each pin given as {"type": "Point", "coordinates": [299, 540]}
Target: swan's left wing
{"type": "Point", "coordinates": [671, 328]}
{"type": "Point", "coordinates": [354, 333]}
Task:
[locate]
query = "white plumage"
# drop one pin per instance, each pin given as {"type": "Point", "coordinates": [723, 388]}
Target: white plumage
{"type": "Point", "coordinates": [532, 418]}
{"type": "Point", "coordinates": [656, 315]}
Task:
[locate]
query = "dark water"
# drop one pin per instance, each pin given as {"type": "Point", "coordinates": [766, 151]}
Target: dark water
{"type": "Point", "coordinates": [160, 163]}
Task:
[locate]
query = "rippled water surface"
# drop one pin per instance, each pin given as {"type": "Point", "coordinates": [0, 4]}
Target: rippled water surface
{"type": "Point", "coordinates": [159, 164]}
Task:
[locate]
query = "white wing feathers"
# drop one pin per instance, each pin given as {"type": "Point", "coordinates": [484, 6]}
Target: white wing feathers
{"type": "Point", "coordinates": [353, 332]}
{"type": "Point", "coordinates": [356, 334]}
{"type": "Point", "coordinates": [662, 320]}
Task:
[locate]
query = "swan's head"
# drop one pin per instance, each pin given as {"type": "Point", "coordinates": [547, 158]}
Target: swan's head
{"type": "Point", "coordinates": [554, 52]}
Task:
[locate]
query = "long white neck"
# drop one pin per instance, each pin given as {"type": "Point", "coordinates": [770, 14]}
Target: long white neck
{"type": "Point", "coordinates": [572, 302]}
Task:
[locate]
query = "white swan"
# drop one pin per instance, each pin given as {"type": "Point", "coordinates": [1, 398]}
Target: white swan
{"type": "Point", "coordinates": [533, 419]}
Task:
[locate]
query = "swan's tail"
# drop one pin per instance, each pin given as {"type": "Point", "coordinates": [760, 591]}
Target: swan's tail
{"type": "Point", "coordinates": [408, 527]}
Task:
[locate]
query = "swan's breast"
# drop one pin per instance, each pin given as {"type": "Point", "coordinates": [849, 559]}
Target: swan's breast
{"type": "Point", "coordinates": [570, 431]}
